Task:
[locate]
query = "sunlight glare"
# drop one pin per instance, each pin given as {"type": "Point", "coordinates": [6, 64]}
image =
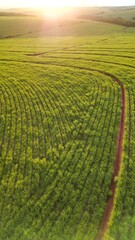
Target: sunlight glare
{"type": "Point", "coordinates": [54, 13]}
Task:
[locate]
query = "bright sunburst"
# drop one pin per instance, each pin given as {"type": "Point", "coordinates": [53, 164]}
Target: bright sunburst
{"type": "Point", "coordinates": [52, 8]}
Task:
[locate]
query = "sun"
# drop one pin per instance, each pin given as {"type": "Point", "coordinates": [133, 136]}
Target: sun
{"type": "Point", "coordinates": [54, 9]}
{"type": "Point", "coordinates": [53, 13]}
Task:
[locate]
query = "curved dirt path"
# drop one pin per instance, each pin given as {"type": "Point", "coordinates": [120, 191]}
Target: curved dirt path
{"type": "Point", "coordinates": [117, 166]}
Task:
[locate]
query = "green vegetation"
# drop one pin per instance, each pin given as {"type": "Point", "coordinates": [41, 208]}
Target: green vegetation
{"type": "Point", "coordinates": [75, 23]}
{"type": "Point", "coordinates": [60, 110]}
{"type": "Point", "coordinates": [118, 21]}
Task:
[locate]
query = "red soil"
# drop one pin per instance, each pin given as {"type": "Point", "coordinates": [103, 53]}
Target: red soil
{"type": "Point", "coordinates": [110, 201]}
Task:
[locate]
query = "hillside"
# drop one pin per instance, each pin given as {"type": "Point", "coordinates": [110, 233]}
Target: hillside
{"type": "Point", "coordinates": [75, 22]}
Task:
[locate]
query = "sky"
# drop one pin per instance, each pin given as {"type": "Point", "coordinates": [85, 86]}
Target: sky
{"type": "Point", "coordinates": [62, 3]}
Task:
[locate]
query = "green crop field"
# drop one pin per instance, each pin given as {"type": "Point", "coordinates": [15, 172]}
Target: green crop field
{"type": "Point", "coordinates": [67, 130]}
